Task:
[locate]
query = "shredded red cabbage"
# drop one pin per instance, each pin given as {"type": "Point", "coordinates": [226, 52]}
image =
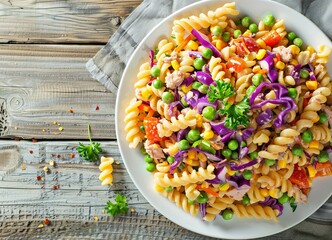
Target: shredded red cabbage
{"type": "Point", "coordinates": [238, 181]}
{"type": "Point", "coordinates": [195, 54]}
{"type": "Point", "coordinates": [273, 203]}
{"type": "Point", "coordinates": [151, 55]}
{"type": "Point", "coordinates": [193, 100]}
{"type": "Point", "coordinates": [268, 63]}
{"type": "Point", "coordinates": [203, 102]}
{"type": "Point", "coordinates": [173, 107]}
{"type": "Point", "coordinates": [206, 68]}
{"type": "Point", "coordinates": [189, 80]}
{"type": "Point", "coordinates": [296, 73]}
{"type": "Point", "coordinates": [204, 78]}
{"type": "Point", "coordinates": [247, 133]}
{"type": "Point", "coordinates": [181, 134]}
{"type": "Point", "coordinates": [202, 209]}
{"type": "Point", "coordinates": [311, 72]}
{"type": "Point", "coordinates": [244, 166]}
{"type": "Point", "coordinates": [221, 129]}
{"type": "Point", "coordinates": [204, 40]}
{"type": "Point", "coordinates": [264, 117]}
{"type": "Point", "coordinates": [220, 174]}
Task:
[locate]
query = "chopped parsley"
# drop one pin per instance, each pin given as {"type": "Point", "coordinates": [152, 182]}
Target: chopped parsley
{"type": "Point", "coordinates": [222, 90]}
{"type": "Point", "coordinates": [119, 207]}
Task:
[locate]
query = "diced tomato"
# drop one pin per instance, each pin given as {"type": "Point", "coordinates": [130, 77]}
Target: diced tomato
{"type": "Point", "coordinates": [144, 108]}
{"type": "Point", "coordinates": [324, 169]}
{"type": "Point", "coordinates": [236, 63]}
{"type": "Point", "coordinates": [151, 131]}
{"type": "Point", "coordinates": [240, 51]}
{"type": "Point", "coordinates": [272, 38]}
{"type": "Point", "coordinates": [251, 44]}
{"type": "Point", "coordinates": [299, 177]}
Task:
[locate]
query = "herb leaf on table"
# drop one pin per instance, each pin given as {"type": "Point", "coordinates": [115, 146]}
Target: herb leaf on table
{"type": "Point", "coordinates": [89, 152]}
{"type": "Point", "coordinates": [120, 206]}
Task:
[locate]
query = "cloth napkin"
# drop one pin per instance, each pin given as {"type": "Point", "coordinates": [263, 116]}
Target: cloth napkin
{"type": "Point", "coordinates": [108, 64]}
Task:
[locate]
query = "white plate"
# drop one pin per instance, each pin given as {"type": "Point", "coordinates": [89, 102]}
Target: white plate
{"type": "Point", "coordinates": [236, 228]}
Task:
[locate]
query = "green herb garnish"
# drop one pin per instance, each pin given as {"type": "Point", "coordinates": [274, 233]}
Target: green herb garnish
{"type": "Point", "coordinates": [222, 90]}
{"type": "Point", "coordinates": [236, 114]}
{"type": "Point", "coordinates": [89, 152]}
{"type": "Point", "coordinates": [120, 206]}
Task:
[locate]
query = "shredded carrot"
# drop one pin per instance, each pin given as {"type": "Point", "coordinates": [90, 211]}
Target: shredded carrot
{"type": "Point", "coordinates": [224, 67]}
{"type": "Point", "coordinates": [278, 57]}
{"type": "Point", "coordinates": [151, 112]}
{"type": "Point", "coordinates": [263, 71]}
{"type": "Point", "coordinates": [144, 108]}
{"type": "Point", "coordinates": [207, 190]}
{"type": "Point", "coordinates": [183, 44]}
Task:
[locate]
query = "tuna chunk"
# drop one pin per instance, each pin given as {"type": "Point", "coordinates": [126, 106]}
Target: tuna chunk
{"type": "Point", "coordinates": [174, 79]}
{"type": "Point", "coordinates": [285, 53]}
{"type": "Point", "coordinates": [154, 150]}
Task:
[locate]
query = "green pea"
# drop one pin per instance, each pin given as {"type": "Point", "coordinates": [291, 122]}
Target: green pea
{"type": "Point", "coordinates": [233, 144]}
{"type": "Point", "coordinates": [268, 20]}
{"type": "Point", "coordinates": [141, 128]}
{"type": "Point", "coordinates": [245, 200]}
{"type": "Point", "coordinates": [292, 92]}
{"type": "Point", "coordinates": [291, 36]}
{"type": "Point", "coordinates": [167, 97]}
{"type": "Point", "coordinates": [226, 152]}
{"type": "Point", "coordinates": [304, 73]}
{"type": "Point", "coordinates": [283, 199]}
{"type": "Point", "coordinates": [170, 159]}
{"type": "Point", "coordinates": [184, 103]}
{"type": "Point", "coordinates": [169, 189]}
{"type": "Point", "coordinates": [235, 155]}
{"type": "Point", "coordinates": [191, 201]}
{"type": "Point", "coordinates": [243, 144]}
{"type": "Point", "coordinates": [253, 28]}
{"type": "Point", "coordinates": [269, 162]}
{"type": "Point", "coordinates": [202, 197]}
{"type": "Point", "coordinates": [226, 36]}
{"type": "Point", "coordinates": [227, 214]}
{"type": "Point", "coordinates": [193, 135]}
{"type": "Point", "coordinates": [217, 31]}
{"type": "Point", "coordinates": [209, 112]}
{"type": "Point", "coordinates": [155, 71]}
{"type": "Point", "coordinates": [196, 85]}
{"type": "Point", "coordinates": [257, 79]}
{"type": "Point", "coordinates": [307, 136]}
{"type": "Point", "coordinates": [183, 144]}
{"type": "Point", "coordinates": [298, 42]}
{"type": "Point", "coordinates": [322, 117]}
{"type": "Point", "coordinates": [157, 84]}
{"type": "Point", "coordinates": [142, 150]}
{"type": "Point", "coordinates": [198, 63]}
{"type": "Point", "coordinates": [148, 158]}
{"type": "Point", "coordinates": [297, 151]}
{"type": "Point", "coordinates": [150, 167]}
{"type": "Point", "coordinates": [250, 90]}
{"type": "Point", "coordinates": [237, 33]}
{"type": "Point", "coordinates": [253, 155]}
{"type": "Point", "coordinates": [246, 21]}
{"type": "Point", "coordinates": [247, 174]}
{"type": "Point", "coordinates": [203, 89]}
{"type": "Point", "coordinates": [207, 53]}
{"type": "Point", "coordinates": [323, 157]}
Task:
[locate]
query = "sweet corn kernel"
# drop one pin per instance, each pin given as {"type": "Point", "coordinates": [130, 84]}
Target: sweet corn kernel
{"type": "Point", "coordinates": [185, 88]}
{"type": "Point", "coordinates": [294, 49]}
{"type": "Point", "coordinates": [208, 135]}
{"type": "Point", "coordinates": [311, 49]}
{"type": "Point", "coordinates": [173, 150]}
{"type": "Point", "coordinates": [224, 187]}
{"type": "Point", "coordinates": [146, 93]}
{"type": "Point", "coordinates": [246, 33]}
{"type": "Point", "coordinates": [256, 69]}
{"type": "Point", "coordinates": [316, 119]}
{"type": "Point", "coordinates": [293, 62]}
{"type": "Point", "coordinates": [314, 144]}
{"type": "Point", "coordinates": [175, 64]}
{"type": "Point", "coordinates": [261, 43]}
{"type": "Point", "coordinates": [311, 85]}
{"type": "Point", "coordinates": [261, 54]}
{"type": "Point", "coordinates": [312, 171]}
{"type": "Point", "coordinates": [282, 163]}
{"type": "Point", "coordinates": [264, 192]}
{"type": "Point", "coordinates": [193, 45]}
{"type": "Point", "coordinates": [229, 171]}
{"type": "Point", "coordinates": [189, 161]}
{"type": "Point", "coordinates": [280, 65]}
{"type": "Point", "coordinates": [275, 193]}
{"type": "Point", "coordinates": [158, 188]}
{"type": "Point", "coordinates": [192, 154]}
{"type": "Point", "coordinates": [220, 44]}
{"type": "Point", "coordinates": [199, 120]}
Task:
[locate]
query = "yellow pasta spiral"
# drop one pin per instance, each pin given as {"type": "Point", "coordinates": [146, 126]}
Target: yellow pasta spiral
{"type": "Point", "coordinates": [255, 210]}
{"type": "Point", "coordinates": [106, 169]}
{"type": "Point", "coordinates": [134, 135]}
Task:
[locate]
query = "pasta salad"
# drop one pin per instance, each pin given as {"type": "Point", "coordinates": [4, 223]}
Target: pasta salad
{"type": "Point", "coordinates": [233, 117]}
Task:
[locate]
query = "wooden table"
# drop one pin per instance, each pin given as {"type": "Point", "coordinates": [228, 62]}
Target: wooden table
{"type": "Point", "coordinates": [44, 86]}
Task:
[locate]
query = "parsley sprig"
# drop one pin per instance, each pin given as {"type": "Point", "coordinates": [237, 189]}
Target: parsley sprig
{"type": "Point", "coordinates": [236, 114]}
{"type": "Point", "coordinates": [120, 206]}
{"type": "Point", "coordinates": [222, 90]}
{"type": "Point", "coordinates": [89, 152]}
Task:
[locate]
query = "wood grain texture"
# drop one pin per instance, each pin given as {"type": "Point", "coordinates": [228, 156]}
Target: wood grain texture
{"type": "Point", "coordinates": [24, 202]}
{"type": "Point", "coordinates": [40, 83]}
{"type": "Point", "coordinates": [72, 21]}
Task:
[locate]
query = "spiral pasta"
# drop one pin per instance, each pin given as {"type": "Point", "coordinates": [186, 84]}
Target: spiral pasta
{"type": "Point", "coordinates": [134, 136]}
{"type": "Point", "coordinates": [106, 169]}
